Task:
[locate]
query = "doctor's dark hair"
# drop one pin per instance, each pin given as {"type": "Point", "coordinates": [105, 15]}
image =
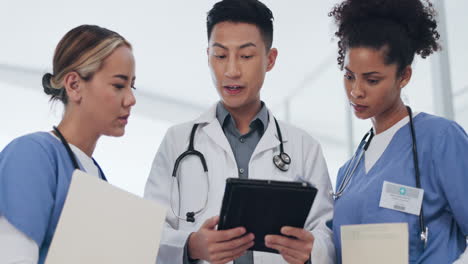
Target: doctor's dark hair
{"type": "Point", "coordinates": [82, 50]}
{"type": "Point", "coordinates": [243, 11]}
{"type": "Point", "coordinates": [401, 28]}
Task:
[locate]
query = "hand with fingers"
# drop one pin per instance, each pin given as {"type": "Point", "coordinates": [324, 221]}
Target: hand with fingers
{"type": "Point", "coordinates": [218, 246]}
{"type": "Point", "coordinates": [295, 246]}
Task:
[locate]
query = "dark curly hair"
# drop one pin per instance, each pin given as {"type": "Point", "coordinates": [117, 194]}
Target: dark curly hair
{"type": "Point", "coordinates": [403, 27]}
{"type": "Point", "coordinates": [246, 11]}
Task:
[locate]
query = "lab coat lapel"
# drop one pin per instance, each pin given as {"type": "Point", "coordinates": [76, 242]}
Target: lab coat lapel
{"type": "Point", "coordinates": [214, 131]}
{"type": "Point", "coordinates": [269, 139]}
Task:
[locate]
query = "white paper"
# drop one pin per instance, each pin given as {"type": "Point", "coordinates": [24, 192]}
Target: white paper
{"type": "Point", "coordinates": [375, 243]}
{"type": "Point", "coordinates": [101, 223]}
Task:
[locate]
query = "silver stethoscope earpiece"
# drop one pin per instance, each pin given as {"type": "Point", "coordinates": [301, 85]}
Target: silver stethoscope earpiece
{"type": "Point", "coordinates": [281, 161]}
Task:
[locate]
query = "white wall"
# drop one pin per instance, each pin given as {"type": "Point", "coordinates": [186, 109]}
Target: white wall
{"type": "Point", "coordinates": [169, 39]}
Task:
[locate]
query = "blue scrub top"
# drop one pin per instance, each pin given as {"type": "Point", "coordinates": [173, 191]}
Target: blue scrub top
{"type": "Point", "coordinates": [35, 173]}
{"type": "Point", "coordinates": [443, 160]}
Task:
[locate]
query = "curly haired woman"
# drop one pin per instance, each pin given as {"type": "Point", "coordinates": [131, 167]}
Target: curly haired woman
{"type": "Point", "coordinates": [404, 150]}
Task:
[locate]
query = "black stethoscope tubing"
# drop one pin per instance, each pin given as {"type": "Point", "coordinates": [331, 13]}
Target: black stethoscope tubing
{"type": "Point", "coordinates": [72, 155]}
{"type": "Point", "coordinates": [281, 161]}
{"type": "Point", "coordinates": [190, 216]}
{"type": "Point", "coordinates": [424, 229]}
{"type": "Point", "coordinates": [362, 149]}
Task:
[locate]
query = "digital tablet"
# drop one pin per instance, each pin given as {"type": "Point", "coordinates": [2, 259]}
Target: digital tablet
{"type": "Point", "coordinates": [264, 206]}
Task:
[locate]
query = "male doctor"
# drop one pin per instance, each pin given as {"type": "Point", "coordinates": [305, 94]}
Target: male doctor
{"type": "Point", "coordinates": [238, 138]}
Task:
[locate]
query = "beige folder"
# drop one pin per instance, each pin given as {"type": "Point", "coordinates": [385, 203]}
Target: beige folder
{"type": "Point", "coordinates": [101, 224]}
{"type": "Point", "coordinates": [375, 243]}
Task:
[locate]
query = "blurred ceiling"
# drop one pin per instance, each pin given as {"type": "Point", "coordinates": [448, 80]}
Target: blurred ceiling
{"type": "Point", "coordinates": [173, 79]}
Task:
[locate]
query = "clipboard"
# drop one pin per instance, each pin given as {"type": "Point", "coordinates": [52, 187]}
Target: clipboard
{"type": "Point", "coordinates": [264, 206]}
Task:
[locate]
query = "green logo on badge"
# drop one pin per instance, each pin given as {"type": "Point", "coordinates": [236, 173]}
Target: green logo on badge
{"type": "Point", "coordinates": [402, 190]}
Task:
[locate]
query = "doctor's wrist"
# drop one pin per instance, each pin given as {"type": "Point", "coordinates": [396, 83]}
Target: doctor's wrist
{"type": "Point", "coordinates": [188, 254]}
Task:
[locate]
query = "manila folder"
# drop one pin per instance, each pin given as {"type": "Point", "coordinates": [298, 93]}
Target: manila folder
{"type": "Point", "coordinates": [101, 223]}
{"type": "Point", "coordinates": [375, 243]}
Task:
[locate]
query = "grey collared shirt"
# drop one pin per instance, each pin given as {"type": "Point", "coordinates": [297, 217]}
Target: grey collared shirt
{"type": "Point", "coordinates": [242, 146]}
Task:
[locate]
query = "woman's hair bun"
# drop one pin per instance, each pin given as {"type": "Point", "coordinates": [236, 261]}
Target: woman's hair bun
{"type": "Point", "coordinates": [47, 85]}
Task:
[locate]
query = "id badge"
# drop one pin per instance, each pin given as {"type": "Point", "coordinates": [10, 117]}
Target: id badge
{"type": "Point", "coordinates": [401, 198]}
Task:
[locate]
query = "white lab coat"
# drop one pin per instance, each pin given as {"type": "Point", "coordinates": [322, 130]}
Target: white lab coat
{"type": "Point", "coordinates": [308, 164]}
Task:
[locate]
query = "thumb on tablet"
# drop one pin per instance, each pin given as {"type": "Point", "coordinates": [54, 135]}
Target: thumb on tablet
{"type": "Point", "coordinates": [211, 223]}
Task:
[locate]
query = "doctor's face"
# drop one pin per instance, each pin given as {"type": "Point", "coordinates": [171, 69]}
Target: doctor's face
{"type": "Point", "coordinates": [108, 97]}
{"type": "Point", "coordinates": [238, 61]}
{"type": "Point", "coordinates": [373, 87]}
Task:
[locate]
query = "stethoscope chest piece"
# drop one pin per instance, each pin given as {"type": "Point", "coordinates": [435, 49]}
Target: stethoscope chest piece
{"type": "Point", "coordinates": [285, 158]}
{"type": "Point", "coordinates": [282, 161]}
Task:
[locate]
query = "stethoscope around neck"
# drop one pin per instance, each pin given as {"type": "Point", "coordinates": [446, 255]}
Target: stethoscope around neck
{"type": "Point", "coordinates": [362, 148]}
{"type": "Point", "coordinates": [281, 161]}
{"type": "Point", "coordinates": [72, 155]}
